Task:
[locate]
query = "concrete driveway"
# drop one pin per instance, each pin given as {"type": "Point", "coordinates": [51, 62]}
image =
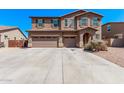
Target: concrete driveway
{"type": "Point", "coordinates": [56, 65]}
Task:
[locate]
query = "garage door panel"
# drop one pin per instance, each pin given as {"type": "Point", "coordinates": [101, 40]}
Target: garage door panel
{"type": "Point", "coordinates": [69, 41]}
{"type": "Point", "coordinates": [44, 42]}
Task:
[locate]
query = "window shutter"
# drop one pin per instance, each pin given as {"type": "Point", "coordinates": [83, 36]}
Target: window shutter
{"type": "Point", "coordinates": [51, 20]}
{"type": "Point", "coordinates": [80, 22]}
{"type": "Point", "coordinates": [36, 21]}
{"type": "Point", "coordinates": [43, 20]}
{"type": "Point", "coordinates": [66, 22]}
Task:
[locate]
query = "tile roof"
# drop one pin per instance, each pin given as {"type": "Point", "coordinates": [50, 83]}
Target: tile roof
{"type": "Point", "coordinates": [81, 11]}
{"type": "Point", "coordinates": [88, 13]}
{"type": "Point", "coordinates": [44, 17]}
{"type": "Point", "coordinates": [113, 23]}
{"type": "Point", "coordinates": [2, 28]}
{"type": "Point", "coordinates": [10, 28]}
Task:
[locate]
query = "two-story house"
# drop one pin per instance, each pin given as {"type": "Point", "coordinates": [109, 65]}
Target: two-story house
{"type": "Point", "coordinates": [71, 30]}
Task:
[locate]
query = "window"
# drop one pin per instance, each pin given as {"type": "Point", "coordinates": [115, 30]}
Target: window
{"type": "Point", "coordinates": [55, 22]}
{"type": "Point", "coordinates": [83, 21]}
{"type": "Point", "coordinates": [40, 23]}
{"type": "Point", "coordinates": [95, 21]}
{"type": "Point", "coordinates": [108, 27]}
{"type": "Point", "coordinates": [5, 36]}
{"type": "Point", "coordinates": [71, 23]}
{"type": "Point", "coordinates": [66, 22]}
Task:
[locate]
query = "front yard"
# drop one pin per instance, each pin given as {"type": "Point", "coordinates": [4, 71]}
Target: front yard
{"type": "Point", "coordinates": [114, 55]}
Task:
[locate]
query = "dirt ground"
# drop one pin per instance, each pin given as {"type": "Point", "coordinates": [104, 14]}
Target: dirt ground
{"type": "Point", "coordinates": [115, 55]}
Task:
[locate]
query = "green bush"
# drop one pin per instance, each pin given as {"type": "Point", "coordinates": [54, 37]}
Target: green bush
{"type": "Point", "coordinates": [96, 46]}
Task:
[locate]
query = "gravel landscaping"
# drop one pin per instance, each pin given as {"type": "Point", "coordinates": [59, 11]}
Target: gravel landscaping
{"type": "Point", "coordinates": [114, 54]}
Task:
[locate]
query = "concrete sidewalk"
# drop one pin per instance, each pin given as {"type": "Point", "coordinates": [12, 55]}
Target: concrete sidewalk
{"type": "Point", "coordinates": [56, 66]}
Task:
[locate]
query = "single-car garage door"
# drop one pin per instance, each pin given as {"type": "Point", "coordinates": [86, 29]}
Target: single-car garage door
{"type": "Point", "coordinates": [44, 42]}
{"type": "Point", "coordinates": [69, 42]}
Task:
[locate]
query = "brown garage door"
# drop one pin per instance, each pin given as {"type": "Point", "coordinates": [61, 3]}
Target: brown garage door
{"type": "Point", "coordinates": [15, 43]}
{"type": "Point", "coordinates": [44, 42]}
{"type": "Point", "coordinates": [69, 42]}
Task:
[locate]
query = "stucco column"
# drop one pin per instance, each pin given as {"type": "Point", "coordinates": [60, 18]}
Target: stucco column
{"type": "Point", "coordinates": [90, 39]}
{"type": "Point", "coordinates": [0, 37]}
{"type": "Point", "coordinates": [81, 41]}
{"type": "Point", "coordinates": [30, 42]}
{"type": "Point", "coordinates": [60, 42]}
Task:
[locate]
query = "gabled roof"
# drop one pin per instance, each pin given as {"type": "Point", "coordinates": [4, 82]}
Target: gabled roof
{"type": "Point", "coordinates": [3, 28]}
{"type": "Point", "coordinates": [10, 28]}
{"type": "Point", "coordinates": [78, 12]}
{"type": "Point", "coordinates": [113, 23]}
{"type": "Point", "coordinates": [43, 17]}
{"type": "Point", "coordinates": [89, 13]}
{"type": "Point", "coordinates": [75, 12]}
{"type": "Point", "coordinates": [89, 28]}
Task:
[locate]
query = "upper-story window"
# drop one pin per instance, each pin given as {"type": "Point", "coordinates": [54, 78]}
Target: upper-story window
{"type": "Point", "coordinates": [83, 21]}
{"type": "Point", "coordinates": [69, 22]}
{"type": "Point", "coordinates": [40, 23]}
{"type": "Point", "coordinates": [55, 22]}
{"type": "Point", "coordinates": [95, 21]}
{"type": "Point", "coordinates": [108, 27]}
{"type": "Point", "coordinates": [66, 22]}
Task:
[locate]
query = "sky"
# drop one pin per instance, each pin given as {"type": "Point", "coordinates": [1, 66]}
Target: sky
{"type": "Point", "coordinates": [20, 17]}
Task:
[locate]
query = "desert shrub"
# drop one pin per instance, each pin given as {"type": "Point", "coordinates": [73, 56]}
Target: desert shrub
{"type": "Point", "coordinates": [96, 46]}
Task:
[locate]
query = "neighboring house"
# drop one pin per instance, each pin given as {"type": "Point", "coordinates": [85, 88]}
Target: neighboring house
{"type": "Point", "coordinates": [113, 32]}
{"type": "Point", "coordinates": [71, 30]}
{"type": "Point", "coordinates": [9, 33]}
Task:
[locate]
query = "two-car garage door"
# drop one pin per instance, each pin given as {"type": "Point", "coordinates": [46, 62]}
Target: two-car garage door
{"type": "Point", "coordinates": [53, 42]}
{"type": "Point", "coordinates": [44, 42]}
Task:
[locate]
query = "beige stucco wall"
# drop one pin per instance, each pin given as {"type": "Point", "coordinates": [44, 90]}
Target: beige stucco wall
{"type": "Point", "coordinates": [63, 24]}
{"type": "Point", "coordinates": [115, 42]}
{"type": "Point", "coordinates": [90, 17]}
{"type": "Point", "coordinates": [116, 28]}
{"type": "Point", "coordinates": [99, 32]}
{"type": "Point", "coordinates": [46, 26]}
{"type": "Point", "coordinates": [119, 42]}
{"type": "Point", "coordinates": [11, 34]}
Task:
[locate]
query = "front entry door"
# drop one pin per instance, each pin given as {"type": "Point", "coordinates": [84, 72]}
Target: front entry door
{"type": "Point", "coordinates": [86, 38]}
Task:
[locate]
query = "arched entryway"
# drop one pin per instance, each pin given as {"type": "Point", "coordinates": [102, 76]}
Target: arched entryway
{"type": "Point", "coordinates": [86, 38]}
